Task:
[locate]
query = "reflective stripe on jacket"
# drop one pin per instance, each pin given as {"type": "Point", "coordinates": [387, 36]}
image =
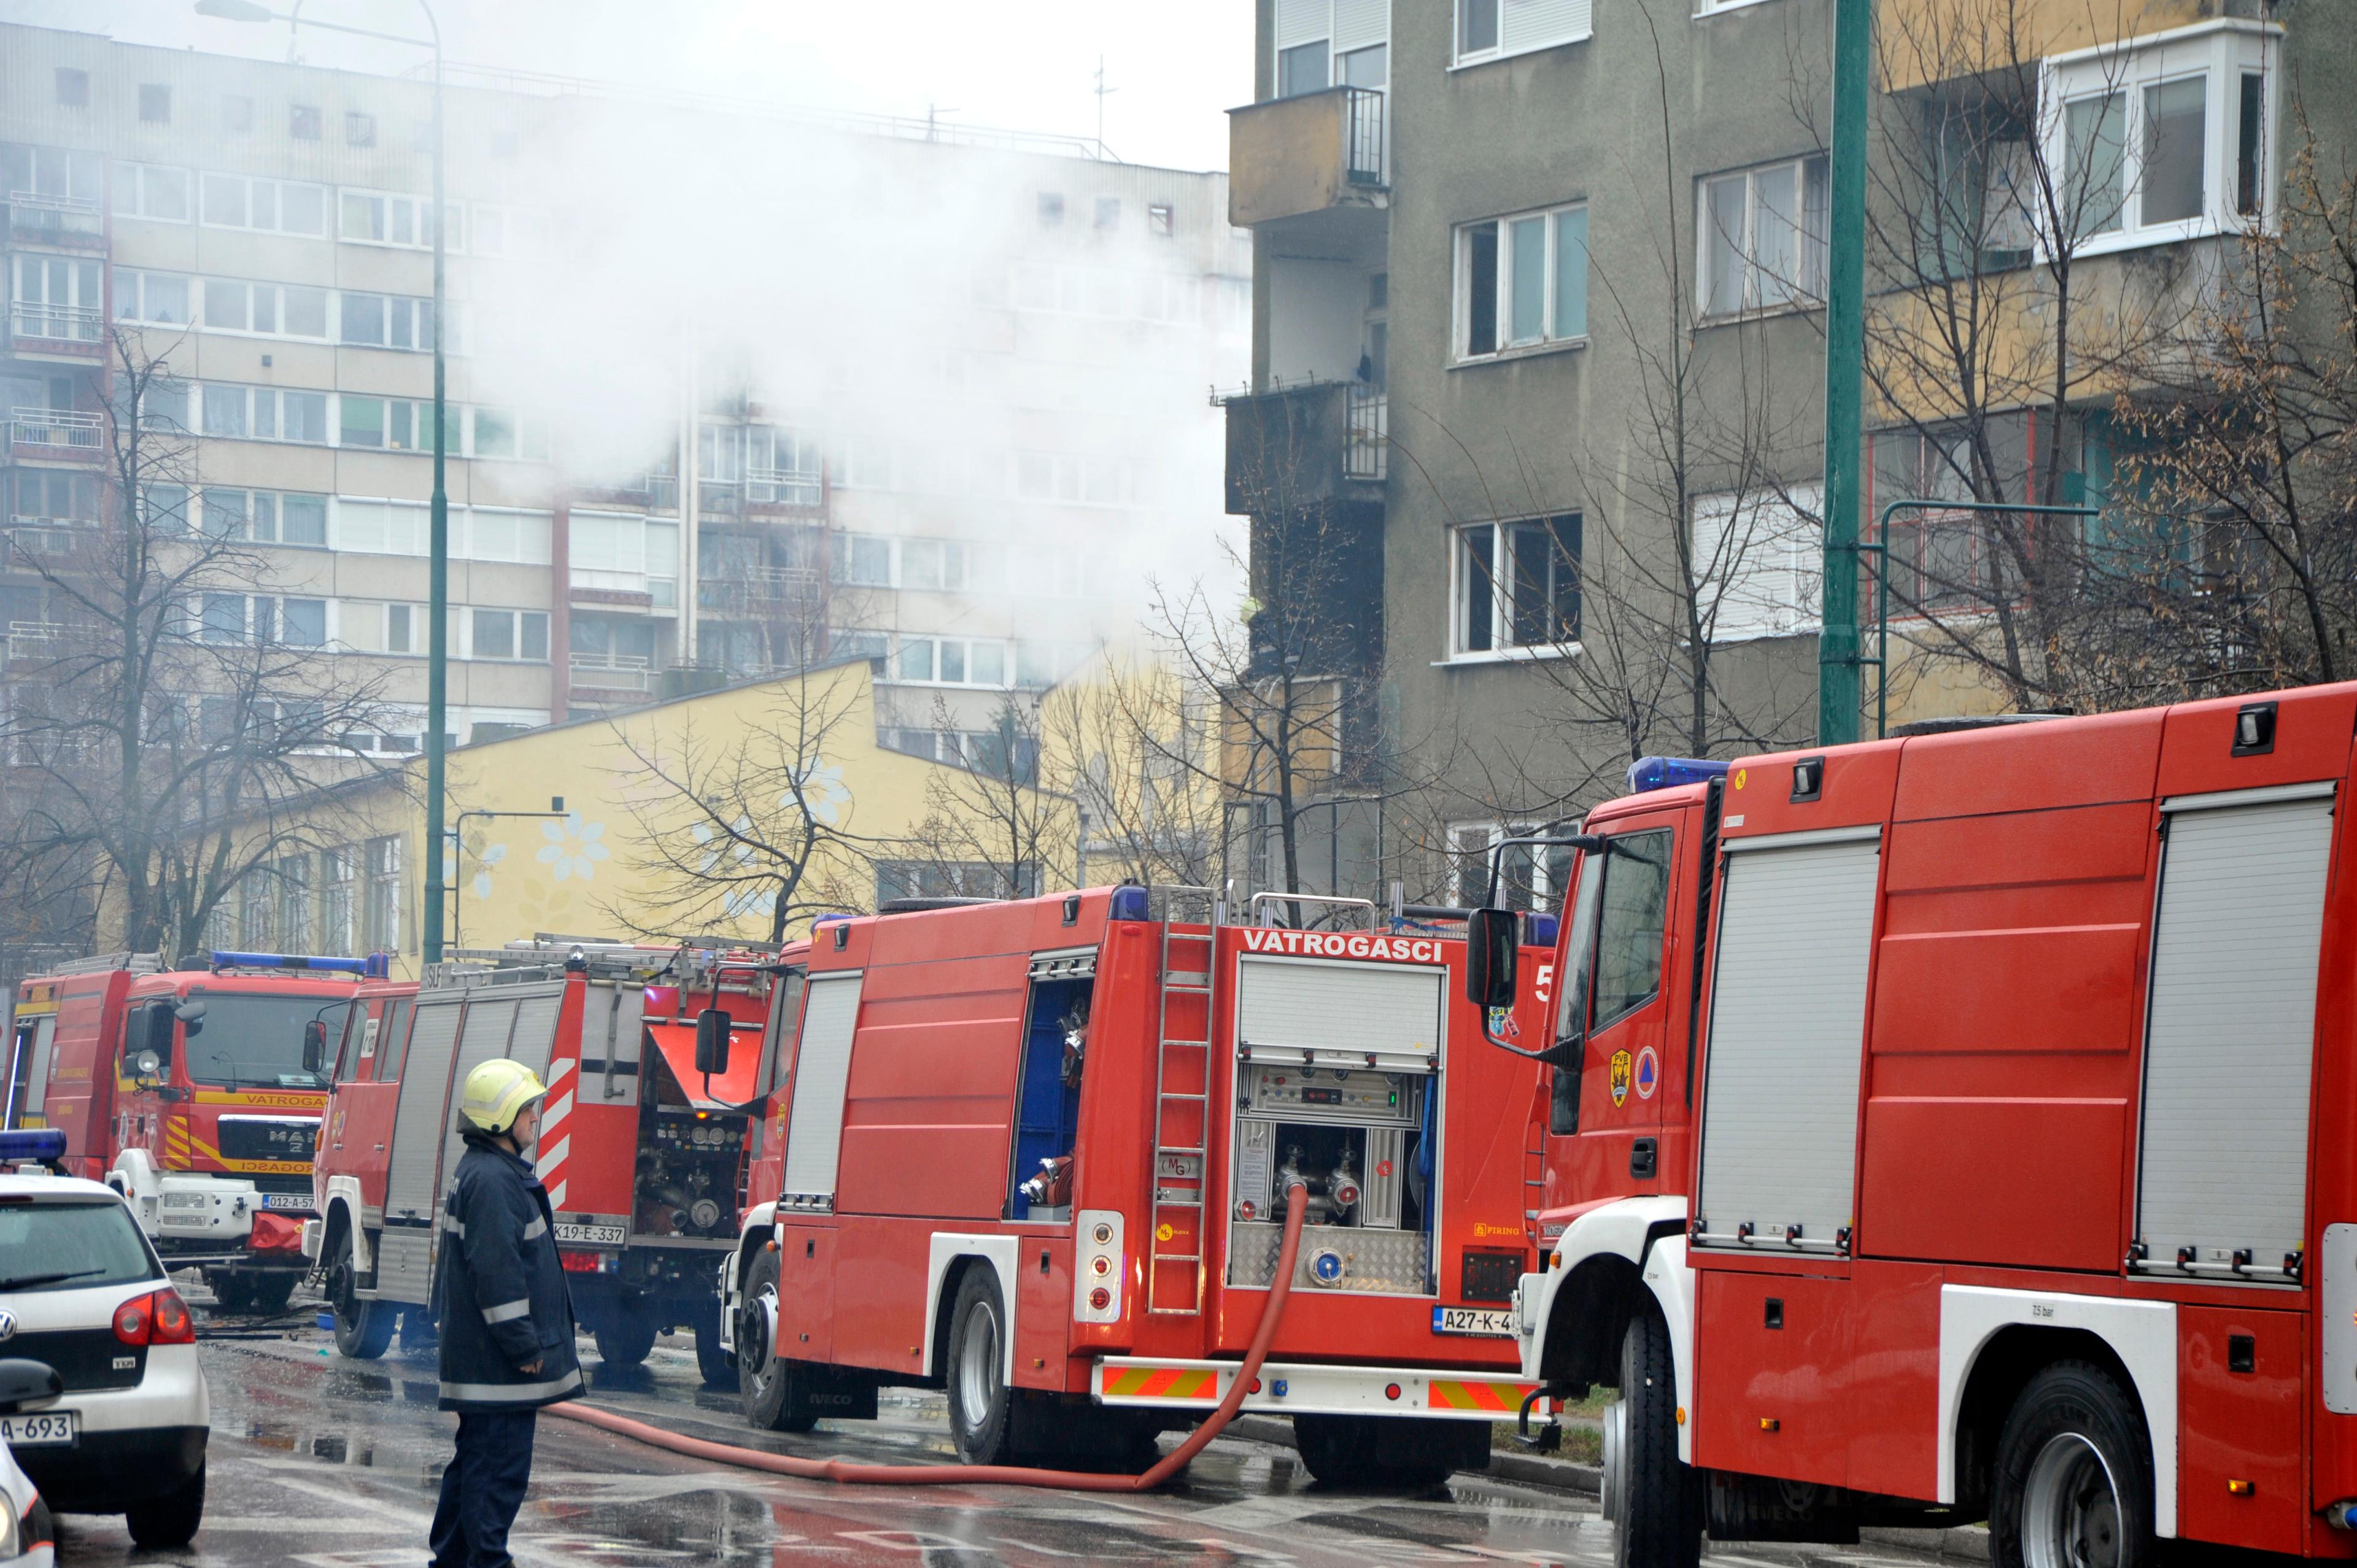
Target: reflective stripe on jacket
{"type": "Point", "coordinates": [500, 1294]}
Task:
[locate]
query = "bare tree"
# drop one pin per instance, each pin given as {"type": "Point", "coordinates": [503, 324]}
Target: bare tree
{"type": "Point", "coordinates": [1132, 746]}
{"type": "Point", "coordinates": [167, 711]}
{"type": "Point", "coordinates": [992, 828]}
{"type": "Point", "coordinates": [743, 824]}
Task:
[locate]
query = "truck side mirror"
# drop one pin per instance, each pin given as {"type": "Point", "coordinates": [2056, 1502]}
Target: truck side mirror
{"type": "Point", "coordinates": [1490, 948]}
{"type": "Point", "coordinates": [315, 1046]}
{"type": "Point", "coordinates": [711, 1041]}
{"type": "Point", "coordinates": [159, 1035]}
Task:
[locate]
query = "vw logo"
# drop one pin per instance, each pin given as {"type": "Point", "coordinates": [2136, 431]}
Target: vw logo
{"type": "Point", "coordinates": [8, 1325]}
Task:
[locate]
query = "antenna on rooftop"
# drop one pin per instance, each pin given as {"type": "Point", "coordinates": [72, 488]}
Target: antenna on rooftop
{"type": "Point", "coordinates": [1101, 90]}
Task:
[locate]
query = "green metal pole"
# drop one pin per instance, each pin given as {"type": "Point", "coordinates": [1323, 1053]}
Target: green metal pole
{"type": "Point", "coordinates": [437, 650]}
{"type": "Point", "coordinates": [1837, 640]}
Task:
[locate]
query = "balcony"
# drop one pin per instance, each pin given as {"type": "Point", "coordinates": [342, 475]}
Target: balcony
{"type": "Point", "coordinates": [57, 331]}
{"type": "Point", "coordinates": [798, 489]}
{"type": "Point", "coordinates": [1315, 163]}
{"type": "Point", "coordinates": [610, 678]}
{"type": "Point", "coordinates": [44, 219]}
{"type": "Point", "coordinates": [33, 640]}
{"type": "Point", "coordinates": [756, 593]}
{"type": "Point", "coordinates": [31, 543]}
{"type": "Point", "coordinates": [48, 436]}
{"type": "Point", "coordinates": [1304, 445]}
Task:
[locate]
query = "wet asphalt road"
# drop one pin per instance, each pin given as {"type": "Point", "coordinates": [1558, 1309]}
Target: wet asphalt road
{"type": "Point", "coordinates": [327, 1463]}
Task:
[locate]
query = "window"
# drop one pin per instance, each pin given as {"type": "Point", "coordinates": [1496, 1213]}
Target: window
{"type": "Point", "coordinates": [264, 413]}
{"type": "Point", "coordinates": [2161, 141]}
{"type": "Point", "coordinates": [1530, 876]}
{"type": "Point", "coordinates": [303, 122]}
{"type": "Point", "coordinates": [1051, 209]}
{"type": "Point", "coordinates": [1159, 219]}
{"type": "Point", "coordinates": [265, 517]}
{"type": "Point", "coordinates": [393, 424]}
{"type": "Point", "coordinates": [510, 634]}
{"type": "Point", "coordinates": [155, 104]}
{"type": "Point", "coordinates": [1108, 212]}
{"type": "Point", "coordinates": [1763, 236]}
{"type": "Point", "coordinates": [397, 636]}
{"type": "Point", "coordinates": [165, 508]}
{"type": "Point", "coordinates": [1757, 562]}
{"type": "Point", "coordinates": [336, 902]}
{"type": "Point", "coordinates": [1302, 69]}
{"type": "Point", "coordinates": [1522, 281]}
{"type": "Point", "coordinates": [274, 206]}
{"type": "Point", "coordinates": [1493, 29]}
{"type": "Point", "coordinates": [149, 190]}
{"type": "Point", "coordinates": [385, 321]}
{"type": "Point", "coordinates": [74, 88]}
{"type": "Point", "coordinates": [55, 297]}
{"type": "Point", "coordinates": [951, 661]}
{"type": "Point", "coordinates": [157, 298]}
{"type": "Point", "coordinates": [376, 218]}
{"type": "Point", "coordinates": [275, 310]}
{"type": "Point", "coordinates": [1517, 585]}
{"type": "Point", "coordinates": [360, 130]}
{"type": "Point", "coordinates": [53, 494]}
{"type": "Point", "coordinates": [1634, 911]}
{"type": "Point", "coordinates": [381, 914]}
{"type": "Point", "coordinates": [863, 561]}
{"type": "Point", "coordinates": [237, 112]}
{"type": "Point", "coordinates": [503, 433]}
{"type": "Point", "coordinates": [226, 620]}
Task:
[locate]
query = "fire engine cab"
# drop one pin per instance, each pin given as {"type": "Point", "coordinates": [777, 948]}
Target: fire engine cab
{"type": "Point", "coordinates": [186, 1089]}
{"type": "Point", "coordinates": [1037, 1151]}
{"type": "Point", "coordinates": [643, 1155]}
{"type": "Point", "coordinates": [2017, 1184]}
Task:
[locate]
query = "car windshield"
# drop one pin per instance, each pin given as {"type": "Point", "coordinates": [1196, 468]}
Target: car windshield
{"type": "Point", "coordinates": [249, 1039]}
{"type": "Point", "coordinates": [70, 1244]}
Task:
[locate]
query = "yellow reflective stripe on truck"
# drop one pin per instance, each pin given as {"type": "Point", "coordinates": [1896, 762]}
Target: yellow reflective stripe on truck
{"type": "Point", "coordinates": [1162, 1382]}
{"type": "Point", "coordinates": [1459, 1394]}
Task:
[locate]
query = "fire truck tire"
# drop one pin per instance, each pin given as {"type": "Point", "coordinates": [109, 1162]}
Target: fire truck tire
{"type": "Point", "coordinates": [231, 1291]}
{"type": "Point", "coordinates": [269, 1294]}
{"type": "Point", "coordinates": [170, 1521]}
{"type": "Point", "coordinates": [769, 1391]}
{"type": "Point", "coordinates": [718, 1365]}
{"type": "Point", "coordinates": [1653, 1494]}
{"type": "Point", "coordinates": [982, 1407]}
{"type": "Point", "coordinates": [1395, 1452]}
{"type": "Point", "coordinates": [626, 1336]}
{"type": "Point", "coordinates": [2073, 1480]}
{"type": "Point", "coordinates": [363, 1328]}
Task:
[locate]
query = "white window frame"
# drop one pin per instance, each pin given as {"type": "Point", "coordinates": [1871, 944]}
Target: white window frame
{"type": "Point", "coordinates": [1545, 895]}
{"type": "Point", "coordinates": [1009, 652]}
{"type": "Point", "coordinates": [1502, 606]}
{"type": "Point", "coordinates": [131, 192]}
{"type": "Point", "coordinates": [1776, 589]}
{"type": "Point", "coordinates": [1803, 296]}
{"type": "Point", "coordinates": [201, 286]}
{"type": "Point", "coordinates": [1551, 337]}
{"type": "Point", "coordinates": [278, 500]}
{"type": "Point", "coordinates": [249, 634]}
{"type": "Point", "coordinates": [386, 204]}
{"type": "Point", "coordinates": [277, 395]}
{"type": "Point", "coordinates": [130, 297]}
{"type": "Point", "coordinates": [2220, 52]}
{"type": "Point", "coordinates": [1704, 8]}
{"type": "Point", "coordinates": [279, 189]}
{"type": "Point", "coordinates": [531, 435]}
{"type": "Point", "coordinates": [1580, 26]}
{"type": "Point", "coordinates": [516, 620]}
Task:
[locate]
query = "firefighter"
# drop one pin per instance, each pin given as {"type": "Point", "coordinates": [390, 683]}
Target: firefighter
{"type": "Point", "coordinates": [505, 1314]}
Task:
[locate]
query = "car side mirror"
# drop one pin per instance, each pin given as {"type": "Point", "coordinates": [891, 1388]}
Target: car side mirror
{"type": "Point", "coordinates": [711, 1041]}
{"type": "Point", "coordinates": [1490, 949]}
{"type": "Point", "coordinates": [25, 1383]}
{"type": "Point", "coordinates": [315, 1046]}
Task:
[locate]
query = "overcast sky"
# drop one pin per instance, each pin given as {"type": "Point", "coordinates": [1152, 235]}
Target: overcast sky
{"type": "Point", "coordinates": [1021, 64]}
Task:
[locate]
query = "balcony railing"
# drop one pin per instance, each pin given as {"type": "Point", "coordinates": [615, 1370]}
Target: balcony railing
{"type": "Point", "coordinates": [59, 323]}
{"type": "Point", "coordinates": [613, 672]}
{"type": "Point", "coordinates": [33, 638]}
{"type": "Point", "coordinates": [785, 486]}
{"type": "Point", "coordinates": [1368, 440]}
{"type": "Point", "coordinates": [76, 434]}
{"type": "Point", "coordinates": [55, 214]}
{"type": "Point", "coordinates": [44, 537]}
{"type": "Point", "coordinates": [1363, 136]}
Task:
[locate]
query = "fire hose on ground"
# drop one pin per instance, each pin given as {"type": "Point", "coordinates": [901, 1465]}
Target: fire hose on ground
{"type": "Point", "coordinates": [1296, 1204]}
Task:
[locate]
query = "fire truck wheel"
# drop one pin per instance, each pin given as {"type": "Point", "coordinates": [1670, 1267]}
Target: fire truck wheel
{"type": "Point", "coordinates": [363, 1328]}
{"type": "Point", "coordinates": [170, 1521]}
{"type": "Point", "coordinates": [718, 1365]}
{"type": "Point", "coordinates": [1653, 1497]}
{"type": "Point", "coordinates": [2073, 1482]}
{"type": "Point", "coordinates": [625, 1337]}
{"type": "Point", "coordinates": [268, 1293]}
{"type": "Point", "coordinates": [768, 1387]}
{"type": "Point", "coordinates": [982, 1408]}
{"type": "Point", "coordinates": [1399, 1452]}
{"type": "Point", "coordinates": [231, 1291]}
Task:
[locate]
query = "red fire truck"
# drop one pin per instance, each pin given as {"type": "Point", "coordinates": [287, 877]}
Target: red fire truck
{"type": "Point", "coordinates": [643, 1156]}
{"type": "Point", "coordinates": [1036, 1152]}
{"type": "Point", "coordinates": [186, 1089]}
{"type": "Point", "coordinates": [2017, 1190]}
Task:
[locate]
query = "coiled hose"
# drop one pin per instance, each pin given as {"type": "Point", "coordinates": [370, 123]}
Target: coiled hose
{"type": "Point", "coordinates": [1296, 1204]}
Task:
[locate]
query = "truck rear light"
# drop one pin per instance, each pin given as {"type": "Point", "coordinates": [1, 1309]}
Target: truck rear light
{"type": "Point", "coordinates": [159, 1318]}
{"type": "Point", "coordinates": [1391, 1390]}
{"type": "Point", "coordinates": [1100, 1298]}
{"type": "Point", "coordinates": [589, 1262]}
{"type": "Point", "coordinates": [1101, 1264]}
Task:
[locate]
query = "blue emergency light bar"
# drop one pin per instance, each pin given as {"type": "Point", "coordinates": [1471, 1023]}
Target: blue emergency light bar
{"type": "Point", "coordinates": [1128, 903]}
{"type": "Point", "coordinates": [1540, 930]}
{"type": "Point", "coordinates": [1669, 772]}
{"type": "Point", "coordinates": [300, 961]}
{"type": "Point", "coordinates": [46, 1144]}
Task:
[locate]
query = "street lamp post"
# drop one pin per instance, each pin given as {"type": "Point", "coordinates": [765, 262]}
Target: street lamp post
{"type": "Point", "coordinates": [437, 631]}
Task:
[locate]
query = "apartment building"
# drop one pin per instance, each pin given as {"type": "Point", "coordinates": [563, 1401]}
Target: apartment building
{"type": "Point", "coordinates": [1538, 351]}
{"type": "Point", "coordinates": [972, 518]}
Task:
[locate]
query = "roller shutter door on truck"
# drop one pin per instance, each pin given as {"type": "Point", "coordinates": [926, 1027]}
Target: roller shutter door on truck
{"type": "Point", "coordinates": [1787, 1034]}
{"type": "Point", "coordinates": [404, 1257]}
{"type": "Point", "coordinates": [2231, 1032]}
{"type": "Point", "coordinates": [1350, 1009]}
{"type": "Point", "coordinates": [821, 1073]}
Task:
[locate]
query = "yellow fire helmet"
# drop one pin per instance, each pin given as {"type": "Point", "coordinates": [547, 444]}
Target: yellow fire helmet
{"type": "Point", "coordinates": [496, 1091]}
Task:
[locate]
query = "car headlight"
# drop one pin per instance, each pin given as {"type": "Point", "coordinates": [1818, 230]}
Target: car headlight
{"type": "Point", "coordinates": [12, 1532]}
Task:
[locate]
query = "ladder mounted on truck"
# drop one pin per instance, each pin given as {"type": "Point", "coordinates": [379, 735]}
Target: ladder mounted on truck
{"type": "Point", "coordinates": [1182, 1102]}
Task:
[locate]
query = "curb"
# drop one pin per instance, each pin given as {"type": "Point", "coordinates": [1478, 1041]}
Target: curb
{"type": "Point", "coordinates": [1966, 1542]}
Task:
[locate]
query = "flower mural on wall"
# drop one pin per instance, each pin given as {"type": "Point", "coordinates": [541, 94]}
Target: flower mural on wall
{"type": "Point", "coordinates": [573, 850]}
{"type": "Point", "coordinates": [480, 853]}
{"type": "Point", "coordinates": [823, 789]}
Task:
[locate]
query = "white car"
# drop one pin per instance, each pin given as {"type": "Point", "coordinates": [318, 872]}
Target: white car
{"type": "Point", "coordinates": [81, 1290]}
